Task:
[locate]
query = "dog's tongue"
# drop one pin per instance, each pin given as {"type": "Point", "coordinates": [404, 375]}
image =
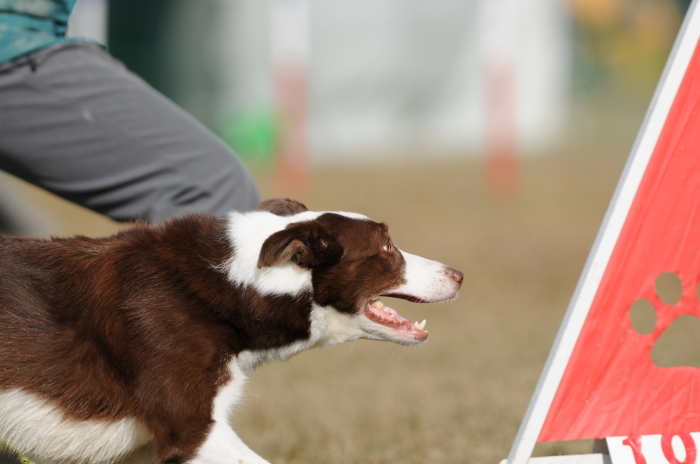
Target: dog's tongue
{"type": "Point", "coordinates": [383, 314]}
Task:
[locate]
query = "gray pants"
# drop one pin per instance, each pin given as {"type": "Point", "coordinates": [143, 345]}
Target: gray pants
{"type": "Point", "coordinates": [74, 121]}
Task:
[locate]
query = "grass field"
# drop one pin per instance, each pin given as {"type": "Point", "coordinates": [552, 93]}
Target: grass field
{"type": "Point", "coordinates": [460, 397]}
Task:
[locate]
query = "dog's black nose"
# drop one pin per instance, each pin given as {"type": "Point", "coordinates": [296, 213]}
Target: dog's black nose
{"type": "Point", "coordinates": [456, 275]}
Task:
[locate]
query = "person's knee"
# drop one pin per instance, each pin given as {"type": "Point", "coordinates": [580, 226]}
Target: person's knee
{"type": "Point", "coordinates": [217, 185]}
{"type": "Point", "coordinates": [237, 191]}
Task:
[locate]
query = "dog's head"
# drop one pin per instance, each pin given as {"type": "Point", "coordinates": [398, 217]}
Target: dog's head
{"type": "Point", "coordinates": [348, 262]}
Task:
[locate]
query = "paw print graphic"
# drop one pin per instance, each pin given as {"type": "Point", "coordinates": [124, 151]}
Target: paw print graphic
{"type": "Point", "coordinates": [670, 318]}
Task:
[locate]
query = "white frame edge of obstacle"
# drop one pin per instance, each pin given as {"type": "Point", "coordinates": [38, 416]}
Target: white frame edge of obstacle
{"type": "Point", "coordinates": [605, 242]}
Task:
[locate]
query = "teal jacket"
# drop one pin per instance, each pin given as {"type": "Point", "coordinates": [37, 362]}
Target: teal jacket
{"type": "Point", "coordinates": [28, 25]}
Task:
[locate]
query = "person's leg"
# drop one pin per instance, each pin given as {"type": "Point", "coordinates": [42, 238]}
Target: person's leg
{"type": "Point", "coordinates": [78, 124]}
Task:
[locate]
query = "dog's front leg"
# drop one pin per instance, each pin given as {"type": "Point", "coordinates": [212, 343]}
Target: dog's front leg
{"type": "Point", "coordinates": [223, 446]}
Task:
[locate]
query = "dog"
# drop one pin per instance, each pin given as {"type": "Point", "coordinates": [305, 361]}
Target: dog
{"type": "Point", "coordinates": [147, 337]}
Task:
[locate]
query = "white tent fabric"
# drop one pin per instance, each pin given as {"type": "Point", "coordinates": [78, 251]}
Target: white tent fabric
{"type": "Point", "coordinates": [388, 78]}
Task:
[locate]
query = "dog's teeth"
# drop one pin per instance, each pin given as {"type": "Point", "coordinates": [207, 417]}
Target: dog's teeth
{"type": "Point", "coordinates": [421, 325]}
{"type": "Point", "coordinates": [378, 303]}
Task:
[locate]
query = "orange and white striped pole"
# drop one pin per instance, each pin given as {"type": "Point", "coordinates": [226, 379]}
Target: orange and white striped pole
{"type": "Point", "coordinates": [499, 50]}
{"type": "Point", "coordinates": [290, 39]}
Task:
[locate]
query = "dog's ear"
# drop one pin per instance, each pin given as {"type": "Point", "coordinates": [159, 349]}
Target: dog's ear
{"type": "Point", "coordinates": [308, 244]}
{"type": "Point", "coordinates": [282, 206]}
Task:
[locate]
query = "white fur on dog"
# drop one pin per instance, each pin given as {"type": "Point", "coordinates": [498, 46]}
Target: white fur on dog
{"type": "Point", "coordinates": [247, 233]}
{"type": "Point", "coordinates": [426, 279]}
{"type": "Point", "coordinates": [32, 425]}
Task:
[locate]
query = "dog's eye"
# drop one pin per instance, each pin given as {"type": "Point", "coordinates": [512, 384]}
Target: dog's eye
{"type": "Point", "coordinates": [388, 248]}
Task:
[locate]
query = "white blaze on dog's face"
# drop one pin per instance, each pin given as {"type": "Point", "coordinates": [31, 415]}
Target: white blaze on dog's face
{"type": "Point", "coordinates": [346, 262]}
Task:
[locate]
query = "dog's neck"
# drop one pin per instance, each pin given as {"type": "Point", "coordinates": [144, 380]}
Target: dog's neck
{"type": "Point", "coordinates": [274, 326]}
{"type": "Point", "coordinates": [270, 313]}
{"type": "Point", "coordinates": [328, 328]}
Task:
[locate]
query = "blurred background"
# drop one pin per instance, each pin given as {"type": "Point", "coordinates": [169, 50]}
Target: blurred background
{"type": "Point", "coordinates": [489, 135]}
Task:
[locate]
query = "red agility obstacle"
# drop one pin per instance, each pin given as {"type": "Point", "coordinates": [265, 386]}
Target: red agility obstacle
{"type": "Point", "coordinates": [600, 380]}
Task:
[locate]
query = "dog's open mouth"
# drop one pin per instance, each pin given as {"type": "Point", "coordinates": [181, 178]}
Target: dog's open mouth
{"type": "Point", "coordinates": [378, 312]}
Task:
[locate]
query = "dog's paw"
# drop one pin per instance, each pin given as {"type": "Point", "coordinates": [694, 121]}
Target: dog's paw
{"type": "Point", "coordinates": [670, 318]}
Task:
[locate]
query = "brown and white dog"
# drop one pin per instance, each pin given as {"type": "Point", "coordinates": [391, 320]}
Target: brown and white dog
{"type": "Point", "coordinates": [146, 337]}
